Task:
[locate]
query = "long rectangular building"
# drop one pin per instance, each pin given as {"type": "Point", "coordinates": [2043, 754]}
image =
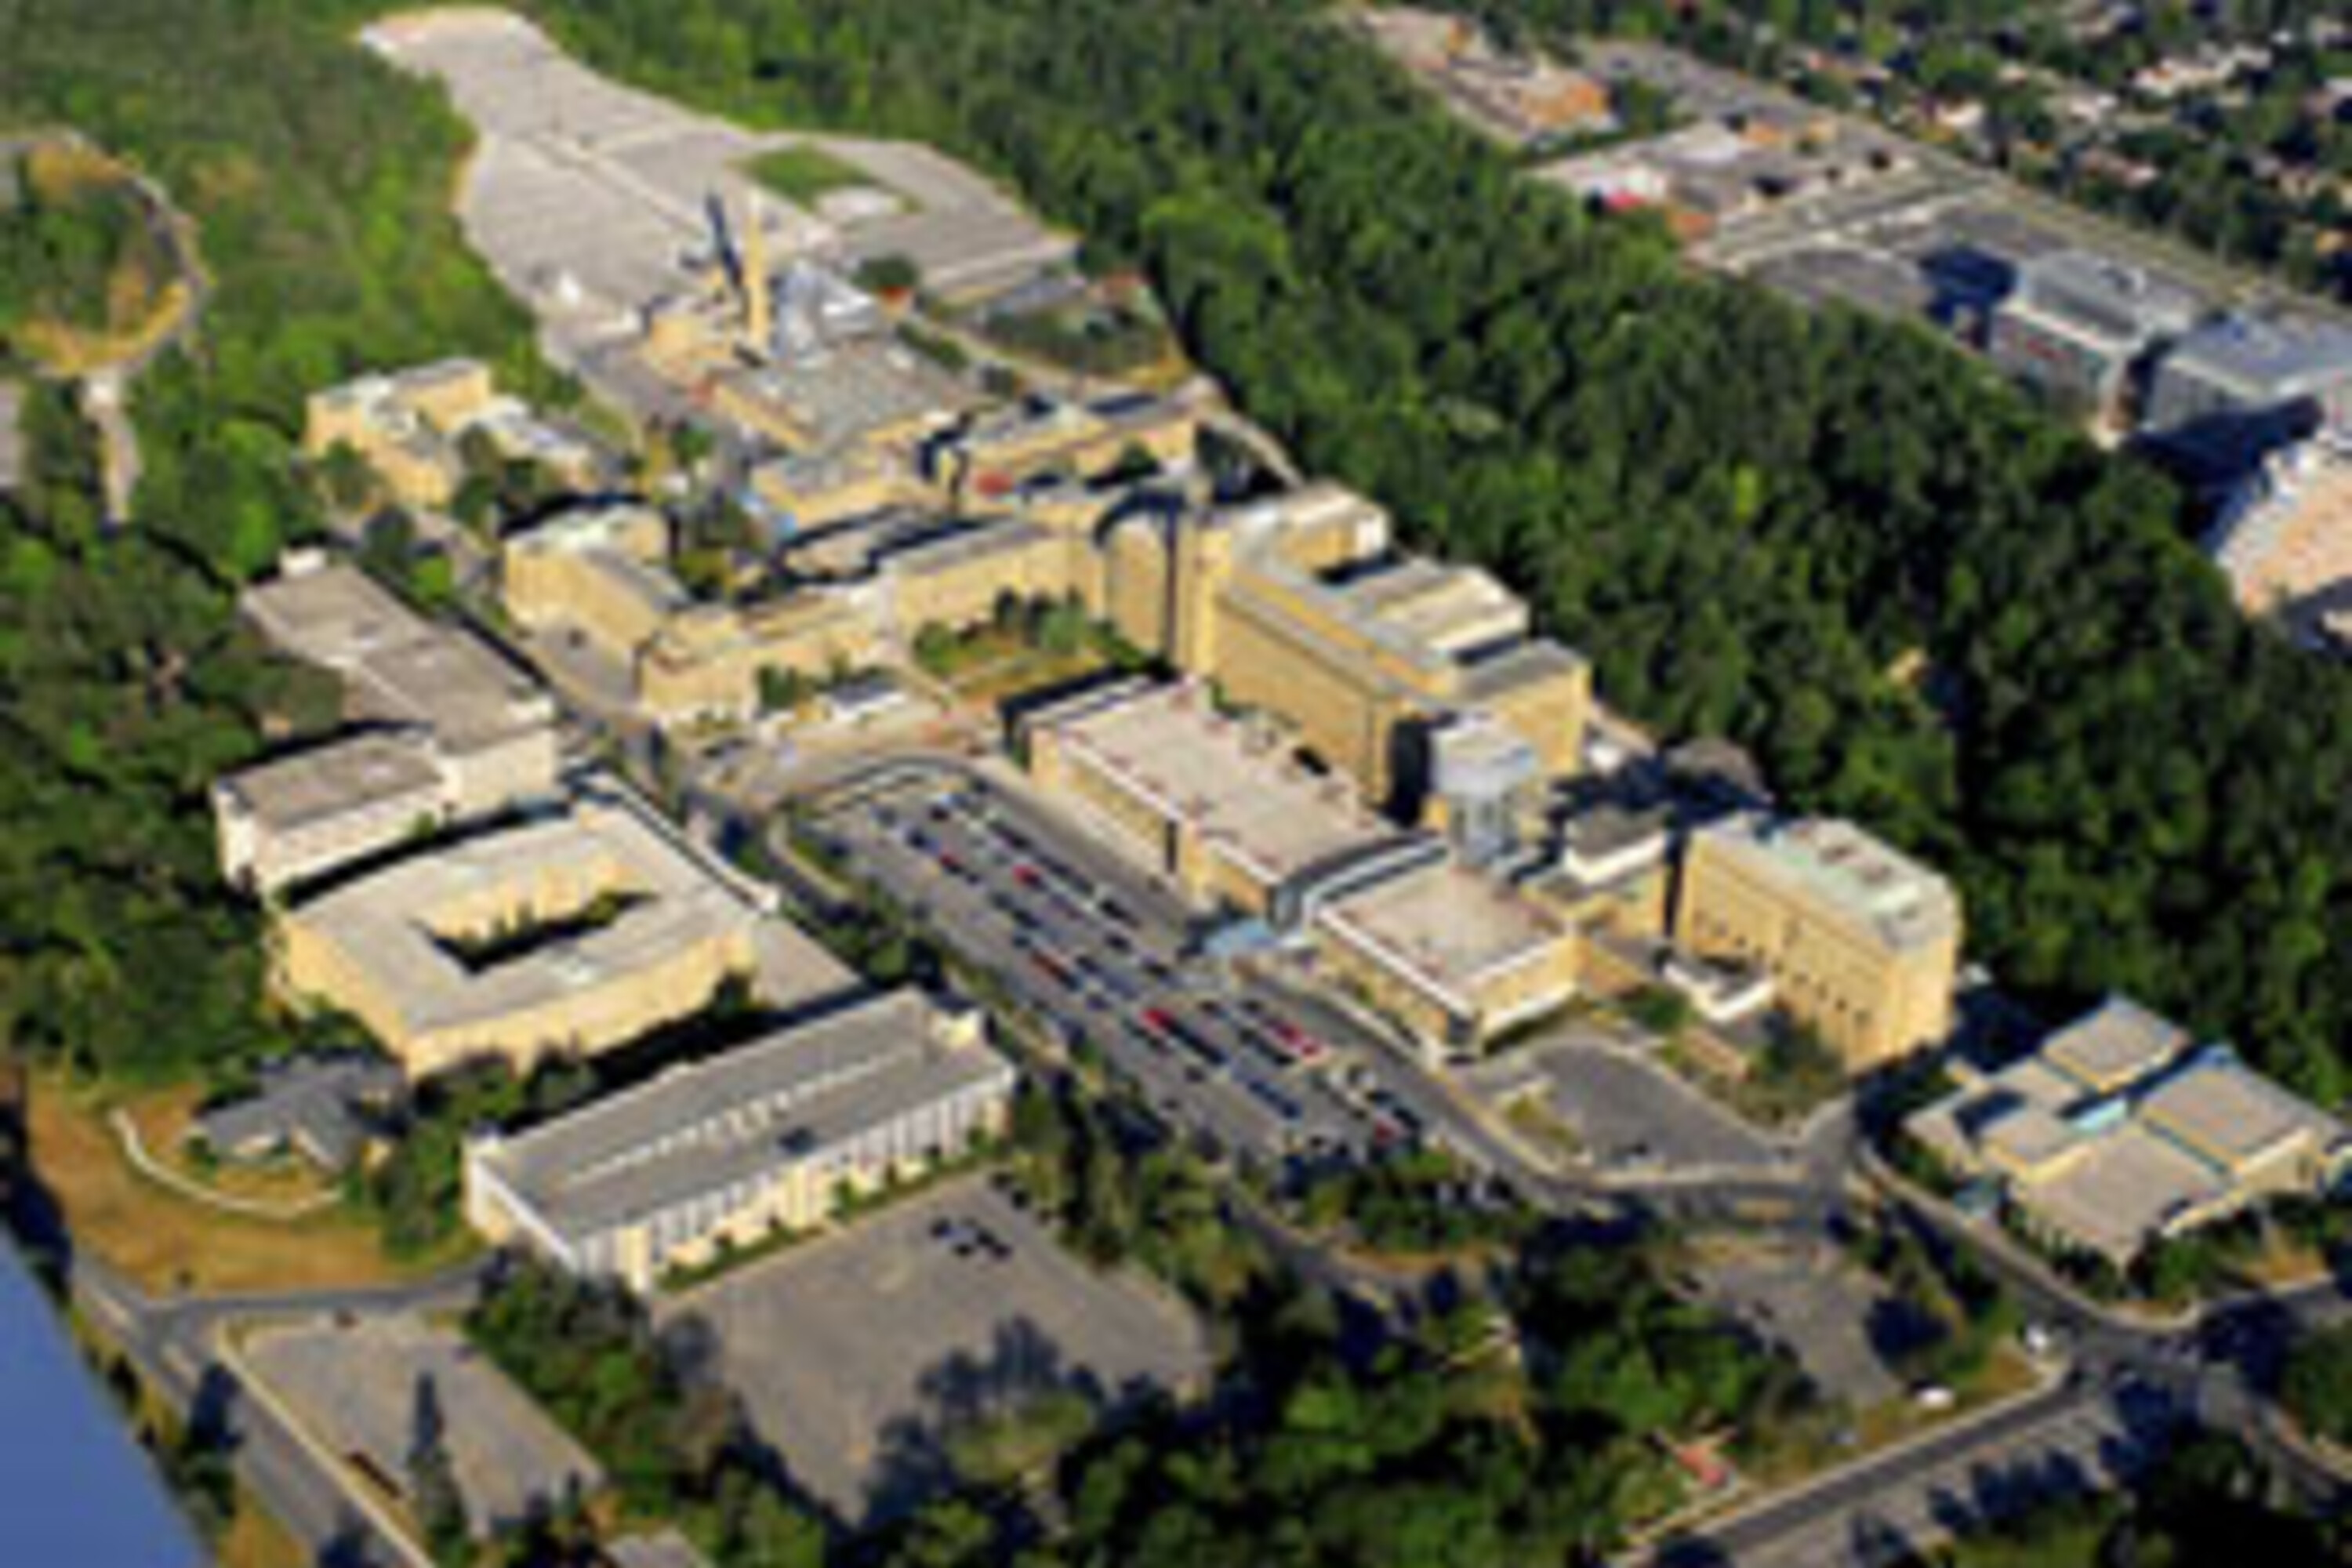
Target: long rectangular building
{"type": "Point", "coordinates": [767, 1136]}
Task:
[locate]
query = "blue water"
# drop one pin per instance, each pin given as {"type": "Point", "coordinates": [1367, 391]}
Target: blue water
{"type": "Point", "coordinates": [76, 1489]}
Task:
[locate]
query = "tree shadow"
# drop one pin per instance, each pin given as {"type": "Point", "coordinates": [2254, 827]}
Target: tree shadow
{"type": "Point", "coordinates": [1022, 1363]}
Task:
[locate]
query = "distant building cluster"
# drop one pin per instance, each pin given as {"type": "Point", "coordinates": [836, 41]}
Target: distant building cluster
{"type": "Point", "coordinates": [2120, 1130]}
{"type": "Point", "coordinates": [1522, 96]}
{"type": "Point", "coordinates": [1827, 208]}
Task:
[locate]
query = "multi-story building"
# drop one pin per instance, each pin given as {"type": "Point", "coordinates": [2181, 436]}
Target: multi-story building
{"type": "Point", "coordinates": [1221, 808]}
{"type": "Point", "coordinates": [2242, 387]}
{"type": "Point", "coordinates": [303, 814]}
{"type": "Point", "coordinates": [565, 935]}
{"type": "Point", "coordinates": [2082, 325]}
{"type": "Point", "coordinates": [767, 1137]}
{"type": "Point", "coordinates": [600, 572]}
{"type": "Point", "coordinates": [1298, 605]}
{"type": "Point", "coordinates": [1218, 808]}
{"type": "Point", "coordinates": [452, 732]}
{"type": "Point", "coordinates": [798, 492]}
{"type": "Point", "coordinates": [2120, 1130]}
{"type": "Point", "coordinates": [407, 425]}
{"type": "Point", "coordinates": [1861, 943]}
{"type": "Point", "coordinates": [1457, 956]}
{"type": "Point", "coordinates": [1002, 450]}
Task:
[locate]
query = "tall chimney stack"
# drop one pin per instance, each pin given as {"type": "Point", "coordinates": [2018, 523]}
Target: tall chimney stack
{"type": "Point", "coordinates": [759, 324]}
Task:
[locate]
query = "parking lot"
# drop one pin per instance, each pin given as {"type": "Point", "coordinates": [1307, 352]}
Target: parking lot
{"type": "Point", "coordinates": [857, 1355]}
{"type": "Point", "coordinates": [363, 1387]}
{"type": "Point", "coordinates": [1630, 1115]}
{"type": "Point", "coordinates": [1098, 954]}
{"type": "Point", "coordinates": [585, 194]}
{"type": "Point", "coordinates": [1810, 1301]}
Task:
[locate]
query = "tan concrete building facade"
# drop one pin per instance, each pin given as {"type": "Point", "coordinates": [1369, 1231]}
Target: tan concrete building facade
{"type": "Point", "coordinates": [1859, 943]}
{"type": "Point", "coordinates": [570, 934]}
{"type": "Point", "coordinates": [1298, 605]}
{"type": "Point", "coordinates": [771, 1135]}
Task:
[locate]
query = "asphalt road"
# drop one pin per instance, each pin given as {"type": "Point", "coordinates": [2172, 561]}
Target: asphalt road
{"type": "Point", "coordinates": [176, 1346]}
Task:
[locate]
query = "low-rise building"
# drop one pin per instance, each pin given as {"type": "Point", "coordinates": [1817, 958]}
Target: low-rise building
{"type": "Point", "coordinates": [450, 732]}
{"type": "Point", "coordinates": [1221, 810]}
{"type": "Point", "coordinates": [1861, 943]}
{"type": "Point", "coordinates": [1456, 956]}
{"type": "Point", "coordinates": [2082, 325]}
{"type": "Point", "coordinates": [408, 427]}
{"type": "Point", "coordinates": [875, 393]}
{"type": "Point", "coordinates": [2242, 387]}
{"type": "Point", "coordinates": [570, 933]}
{"type": "Point", "coordinates": [320, 1106]}
{"type": "Point", "coordinates": [2120, 1130]}
{"type": "Point", "coordinates": [766, 1137]}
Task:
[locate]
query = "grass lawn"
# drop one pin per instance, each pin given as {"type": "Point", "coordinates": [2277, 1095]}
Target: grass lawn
{"type": "Point", "coordinates": [805, 172]}
{"type": "Point", "coordinates": [255, 1540]}
{"type": "Point", "coordinates": [166, 1242]}
{"type": "Point", "coordinates": [1802, 1454]}
{"type": "Point", "coordinates": [1536, 1123]}
{"type": "Point", "coordinates": [162, 1118]}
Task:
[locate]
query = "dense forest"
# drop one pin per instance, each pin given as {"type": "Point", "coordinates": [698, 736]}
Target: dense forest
{"type": "Point", "coordinates": [1836, 540]}
{"type": "Point", "coordinates": [60, 250]}
{"type": "Point", "coordinates": [320, 183]}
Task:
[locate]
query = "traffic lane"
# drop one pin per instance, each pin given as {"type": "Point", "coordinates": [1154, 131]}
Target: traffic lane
{"type": "Point", "coordinates": [2012, 1435]}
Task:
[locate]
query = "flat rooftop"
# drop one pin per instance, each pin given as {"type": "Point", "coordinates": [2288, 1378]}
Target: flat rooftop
{"type": "Point", "coordinates": [404, 926]}
{"type": "Point", "coordinates": [352, 773]}
{"type": "Point", "coordinates": [1450, 928]}
{"type": "Point", "coordinates": [2216, 1106]}
{"type": "Point", "coordinates": [2261, 357]}
{"type": "Point", "coordinates": [738, 1116]}
{"type": "Point", "coordinates": [402, 668]}
{"type": "Point", "coordinates": [1244, 798]}
{"type": "Point", "coordinates": [846, 393]}
{"type": "Point", "coordinates": [2125, 1188]}
{"type": "Point", "coordinates": [2118, 1043]}
{"type": "Point", "coordinates": [1834, 863]}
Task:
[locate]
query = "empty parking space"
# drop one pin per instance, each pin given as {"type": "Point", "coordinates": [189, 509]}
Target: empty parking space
{"type": "Point", "coordinates": [367, 1389]}
{"type": "Point", "coordinates": [1630, 1115]}
{"type": "Point", "coordinates": [857, 1354]}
